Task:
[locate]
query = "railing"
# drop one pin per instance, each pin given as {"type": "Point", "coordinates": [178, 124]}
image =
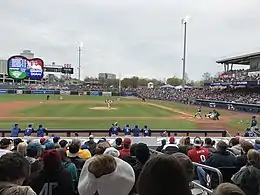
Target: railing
{"type": "Point", "coordinates": [174, 132]}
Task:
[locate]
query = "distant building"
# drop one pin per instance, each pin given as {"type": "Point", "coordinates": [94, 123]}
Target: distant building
{"type": "Point", "coordinates": [28, 54]}
{"type": "Point", "coordinates": [106, 76]}
{"type": "Point", "coordinates": [3, 66]}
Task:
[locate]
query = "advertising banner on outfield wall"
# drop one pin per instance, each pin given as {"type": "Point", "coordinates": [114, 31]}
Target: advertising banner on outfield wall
{"type": "Point", "coordinates": [62, 92]}
{"type": "Point", "coordinates": [42, 92]}
{"type": "Point", "coordinates": [19, 91]}
{"type": "Point", "coordinates": [3, 91]}
{"type": "Point", "coordinates": [94, 93]}
{"type": "Point", "coordinates": [105, 93]}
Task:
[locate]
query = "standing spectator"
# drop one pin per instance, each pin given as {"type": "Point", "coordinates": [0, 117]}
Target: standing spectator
{"type": "Point", "coordinates": [163, 174]}
{"type": "Point", "coordinates": [73, 156]}
{"type": "Point", "coordinates": [91, 144]}
{"type": "Point", "coordinates": [185, 145]}
{"type": "Point", "coordinates": [21, 148]}
{"type": "Point", "coordinates": [126, 148]}
{"type": "Point", "coordinates": [53, 179]}
{"type": "Point", "coordinates": [15, 130]}
{"type": "Point", "coordinates": [198, 154]}
{"type": "Point", "coordinates": [16, 142]}
{"type": "Point", "coordinates": [29, 130]}
{"type": "Point", "coordinates": [5, 146]}
{"type": "Point", "coordinates": [14, 168]}
{"type": "Point", "coordinates": [208, 145]}
{"type": "Point", "coordinates": [242, 160]}
{"type": "Point", "coordinates": [248, 178]}
{"type": "Point", "coordinates": [257, 144]}
{"type": "Point", "coordinates": [146, 131]}
{"type": "Point", "coordinates": [41, 131]}
{"type": "Point", "coordinates": [163, 143]}
{"type": "Point", "coordinates": [136, 131]}
{"type": "Point", "coordinates": [172, 147]}
{"type": "Point", "coordinates": [69, 166]}
{"type": "Point", "coordinates": [102, 173]}
{"type": "Point", "coordinates": [63, 144]}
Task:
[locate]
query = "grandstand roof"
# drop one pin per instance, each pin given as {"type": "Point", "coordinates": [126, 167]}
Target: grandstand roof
{"type": "Point", "coordinates": [241, 59]}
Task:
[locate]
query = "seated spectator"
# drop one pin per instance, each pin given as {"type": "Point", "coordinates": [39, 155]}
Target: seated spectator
{"type": "Point", "coordinates": [33, 154]}
{"type": "Point", "coordinates": [53, 179]}
{"type": "Point", "coordinates": [16, 142]}
{"type": "Point", "coordinates": [101, 147]}
{"type": "Point", "coordinates": [163, 143]}
{"type": "Point", "coordinates": [5, 146]}
{"type": "Point", "coordinates": [21, 148]}
{"type": "Point", "coordinates": [208, 145]}
{"type": "Point", "coordinates": [63, 144]}
{"type": "Point", "coordinates": [43, 140]}
{"type": "Point", "coordinates": [83, 154]}
{"type": "Point", "coordinates": [198, 154]}
{"type": "Point", "coordinates": [106, 175]}
{"type": "Point", "coordinates": [185, 145]}
{"type": "Point", "coordinates": [69, 166]}
{"type": "Point", "coordinates": [56, 139]}
{"type": "Point", "coordinates": [112, 152]}
{"type": "Point", "coordinates": [235, 146]}
{"type": "Point", "coordinates": [14, 168]}
{"type": "Point", "coordinates": [172, 147]}
{"type": "Point", "coordinates": [118, 143]}
{"type": "Point", "coordinates": [248, 178]}
{"type": "Point", "coordinates": [73, 155]}
{"type": "Point", "coordinates": [257, 144]}
{"type": "Point", "coordinates": [91, 144]}
{"type": "Point", "coordinates": [242, 160]}
{"type": "Point", "coordinates": [163, 174]}
{"type": "Point", "coordinates": [228, 189]}
{"type": "Point", "coordinates": [131, 160]}
{"type": "Point", "coordinates": [126, 148]}
{"type": "Point", "coordinates": [49, 145]}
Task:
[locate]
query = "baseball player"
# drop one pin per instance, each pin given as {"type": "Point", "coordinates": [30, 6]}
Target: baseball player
{"type": "Point", "coordinates": [61, 98]}
{"type": "Point", "coordinates": [198, 113]}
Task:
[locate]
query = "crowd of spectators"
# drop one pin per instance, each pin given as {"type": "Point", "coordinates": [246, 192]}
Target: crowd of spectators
{"type": "Point", "coordinates": [54, 166]}
{"type": "Point", "coordinates": [235, 95]}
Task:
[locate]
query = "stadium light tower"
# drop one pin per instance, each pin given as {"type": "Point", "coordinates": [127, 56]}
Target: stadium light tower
{"type": "Point", "coordinates": [80, 49]}
{"type": "Point", "coordinates": [184, 22]}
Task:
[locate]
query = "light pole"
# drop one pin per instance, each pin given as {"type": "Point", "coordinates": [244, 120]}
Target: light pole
{"type": "Point", "coordinates": [184, 22]}
{"type": "Point", "coordinates": [80, 49]}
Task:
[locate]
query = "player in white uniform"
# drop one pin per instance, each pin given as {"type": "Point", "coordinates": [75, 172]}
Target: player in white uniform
{"type": "Point", "coordinates": [198, 113]}
{"type": "Point", "coordinates": [61, 98]}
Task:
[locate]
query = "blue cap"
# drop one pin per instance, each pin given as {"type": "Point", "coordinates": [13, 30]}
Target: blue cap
{"type": "Point", "coordinates": [49, 145]}
{"type": "Point", "coordinates": [35, 146]}
{"type": "Point", "coordinates": [56, 139]}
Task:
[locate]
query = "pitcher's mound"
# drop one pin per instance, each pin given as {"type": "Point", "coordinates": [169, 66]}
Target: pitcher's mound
{"type": "Point", "coordinates": [102, 108]}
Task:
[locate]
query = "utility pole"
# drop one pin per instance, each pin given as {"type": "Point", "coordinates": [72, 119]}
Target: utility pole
{"type": "Point", "coordinates": [184, 22]}
{"type": "Point", "coordinates": [80, 50]}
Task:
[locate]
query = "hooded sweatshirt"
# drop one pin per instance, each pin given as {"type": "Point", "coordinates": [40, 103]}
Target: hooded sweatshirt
{"type": "Point", "coordinates": [236, 150]}
{"type": "Point", "coordinates": [10, 188]}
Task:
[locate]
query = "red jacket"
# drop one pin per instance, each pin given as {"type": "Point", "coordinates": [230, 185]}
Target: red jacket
{"type": "Point", "coordinates": [198, 155]}
{"type": "Point", "coordinates": [124, 153]}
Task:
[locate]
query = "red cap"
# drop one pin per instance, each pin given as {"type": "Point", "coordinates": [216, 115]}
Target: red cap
{"type": "Point", "coordinates": [42, 140]}
{"type": "Point", "coordinates": [172, 139]}
{"type": "Point", "coordinates": [127, 141]}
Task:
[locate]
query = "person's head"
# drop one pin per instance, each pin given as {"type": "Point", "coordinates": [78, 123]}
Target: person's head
{"type": "Point", "coordinates": [49, 145]}
{"type": "Point", "coordinates": [208, 141]}
{"type": "Point", "coordinates": [246, 146]}
{"type": "Point", "coordinates": [43, 140]}
{"type": "Point", "coordinates": [63, 153]}
{"type": "Point", "coordinates": [14, 168]}
{"type": "Point", "coordinates": [132, 149]}
{"type": "Point", "coordinates": [145, 126]}
{"type": "Point", "coordinates": [163, 174]}
{"type": "Point", "coordinates": [73, 150]}
{"type": "Point", "coordinates": [142, 153]}
{"type": "Point", "coordinates": [16, 125]}
{"type": "Point", "coordinates": [197, 142]}
{"type": "Point", "coordinates": [22, 148]}
{"type": "Point", "coordinates": [127, 143]}
{"type": "Point", "coordinates": [233, 142]}
{"type": "Point", "coordinates": [40, 126]}
{"type": "Point", "coordinates": [136, 126]}
{"type": "Point", "coordinates": [56, 139]}
{"type": "Point", "coordinates": [5, 144]}
{"type": "Point", "coordinates": [101, 147]}
{"type": "Point", "coordinates": [228, 189]}
{"type": "Point", "coordinates": [34, 149]}
{"type": "Point", "coordinates": [63, 143]}
{"type": "Point", "coordinates": [253, 158]}
{"type": "Point", "coordinates": [76, 141]}
{"type": "Point", "coordinates": [172, 140]}
{"type": "Point", "coordinates": [185, 161]}
{"type": "Point", "coordinates": [253, 117]}
{"type": "Point", "coordinates": [127, 125]}
{"type": "Point", "coordinates": [51, 160]}
{"type": "Point", "coordinates": [112, 152]}
{"type": "Point", "coordinates": [30, 125]}
{"type": "Point", "coordinates": [118, 141]}
{"type": "Point", "coordinates": [91, 138]}
{"type": "Point", "coordinates": [222, 146]}
{"type": "Point", "coordinates": [17, 141]}
{"type": "Point", "coordinates": [182, 141]}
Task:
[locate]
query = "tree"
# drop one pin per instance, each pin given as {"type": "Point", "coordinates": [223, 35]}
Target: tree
{"type": "Point", "coordinates": [207, 77]}
{"type": "Point", "coordinates": [174, 81]}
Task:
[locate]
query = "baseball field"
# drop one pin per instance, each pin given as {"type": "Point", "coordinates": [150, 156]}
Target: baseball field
{"type": "Point", "coordinates": [91, 112]}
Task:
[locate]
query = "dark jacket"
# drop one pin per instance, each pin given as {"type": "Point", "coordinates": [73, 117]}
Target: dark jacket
{"type": "Point", "coordinates": [211, 149]}
{"type": "Point", "coordinates": [92, 146]}
{"type": "Point", "coordinates": [79, 162]}
{"type": "Point", "coordinates": [131, 160]}
{"type": "Point", "coordinates": [218, 159]}
{"type": "Point", "coordinates": [241, 161]}
{"type": "Point", "coordinates": [60, 182]}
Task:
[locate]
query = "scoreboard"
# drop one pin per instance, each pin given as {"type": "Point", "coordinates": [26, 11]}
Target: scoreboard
{"type": "Point", "coordinates": [63, 70]}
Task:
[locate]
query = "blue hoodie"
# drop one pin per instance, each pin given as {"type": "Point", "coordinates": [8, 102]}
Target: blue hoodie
{"type": "Point", "coordinates": [15, 131]}
{"type": "Point", "coordinates": [127, 130]}
{"type": "Point", "coordinates": [40, 131]}
{"type": "Point", "coordinates": [136, 131]}
{"type": "Point", "coordinates": [28, 131]}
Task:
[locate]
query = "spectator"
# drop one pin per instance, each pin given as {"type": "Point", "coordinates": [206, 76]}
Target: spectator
{"type": "Point", "coordinates": [185, 145]}
{"type": "Point", "coordinates": [228, 189]}
{"type": "Point", "coordinates": [43, 140]}
{"type": "Point", "coordinates": [49, 145]}
{"type": "Point", "coordinates": [163, 143]}
{"type": "Point", "coordinates": [74, 156]}
{"type": "Point", "coordinates": [83, 154]}
{"type": "Point", "coordinates": [14, 168]}
{"type": "Point", "coordinates": [125, 152]}
{"type": "Point", "coordinates": [118, 143]}
{"type": "Point", "coordinates": [21, 148]}
{"type": "Point", "coordinates": [248, 178]}
{"type": "Point", "coordinates": [235, 146]}
{"type": "Point", "coordinates": [198, 154]}
{"type": "Point", "coordinates": [132, 158]}
{"type": "Point", "coordinates": [34, 152]}
{"type": "Point", "coordinates": [16, 142]}
{"type": "Point", "coordinates": [69, 166]}
{"type": "Point", "coordinates": [242, 160]}
{"type": "Point", "coordinates": [91, 144]}
{"type": "Point", "coordinates": [5, 146]}
{"type": "Point", "coordinates": [63, 144]}
{"type": "Point", "coordinates": [53, 179]}
{"type": "Point", "coordinates": [172, 147]}
{"type": "Point", "coordinates": [56, 139]}
{"type": "Point", "coordinates": [257, 144]}
{"type": "Point", "coordinates": [101, 147]}
{"type": "Point", "coordinates": [208, 145]}
{"type": "Point", "coordinates": [161, 175]}
{"type": "Point", "coordinates": [15, 130]}
{"type": "Point", "coordinates": [106, 175]}
{"type": "Point", "coordinates": [112, 152]}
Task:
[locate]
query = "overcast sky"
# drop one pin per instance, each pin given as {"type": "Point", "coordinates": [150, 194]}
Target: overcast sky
{"type": "Point", "coordinates": [137, 37]}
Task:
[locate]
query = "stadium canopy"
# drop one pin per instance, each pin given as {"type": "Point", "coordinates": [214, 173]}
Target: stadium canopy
{"type": "Point", "coordinates": [181, 87]}
{"type": "Point", "coordinates": [241, 59]}
{"type": "Point", "coordinates": [167, 86]}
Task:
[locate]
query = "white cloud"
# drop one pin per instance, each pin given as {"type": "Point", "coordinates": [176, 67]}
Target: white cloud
{"type": "Point", "coordinates": [137, 37]}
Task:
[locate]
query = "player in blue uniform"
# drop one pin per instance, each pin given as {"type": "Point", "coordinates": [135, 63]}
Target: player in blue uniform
{"type": "Point", "coordinates": [253, 123]}
{"type": "Point", "coordinates": [29, 130]}
{"type": "Point", "coordinates": [136, 131]}
{"type": "Point", "coordinates": [114, 130]}
{"type": "Point", "coordinates": [146, 131]}
{"type": "Point", "coordinates": [127, 130]}
{"type": "Point", "coordinates": [198, 113]}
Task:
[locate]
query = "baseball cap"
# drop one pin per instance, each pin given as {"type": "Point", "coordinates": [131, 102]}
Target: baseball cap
{"type": "Point", "coordinates": [91, 137]}
{"type": "Point", "coordinates": [49, 145]}
{"type": "Point", "coordinates": [35, 146]}
{"type": "Point", "coordinates": [51, 159]}
{"type": "Point", "coordinates": [56, 139]}
{"type": "Point", "coordinates": [197, 141]}
{"type": "Point", "coordinates": [127, 141]}
{"type": "Point", "coordinates": [172, 139]}
{"type": "Point", "coordinates": [42, 140]}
